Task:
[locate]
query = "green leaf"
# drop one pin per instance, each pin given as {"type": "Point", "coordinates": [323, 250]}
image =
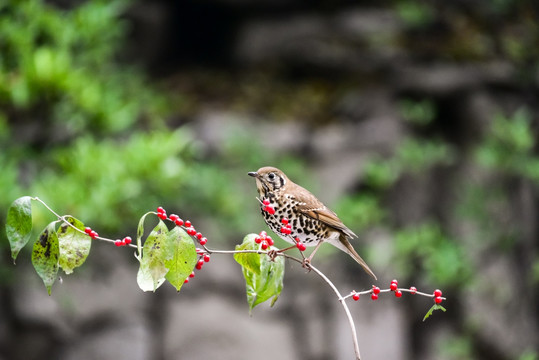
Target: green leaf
{"type": "Point", "coordinates": [140, 233]}
{"type": "Point", "coordinates": [183, 257]}
{"type": "Point", "coordinates": [263, 277]}
{"type": "Point", "coordinates": [74, 245]}
{"type": "Point", "coordinates": [19, 224]}
{"type": "Point", "coordinates": [251, 261]}
{"type": "Point", "coordinates": [431, 310]}
{"type": "Point", "coordinates": [152, 268]}
{"type": "Point", "coordinates": [45, 255]}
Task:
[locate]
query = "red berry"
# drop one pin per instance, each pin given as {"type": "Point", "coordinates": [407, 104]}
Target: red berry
{"type": "Point", "coordinates": [374, 296]}
{"type": "Point", "coordinates": [198, 235]}
{"type": "Point", "coordinates": [375, 290]}
{"type": "Point", "coordinates": [413, 290]}
{"type": "Point", "coordinates": [88, 230]}
{"type": "Point", "coordinates": [162, 216]}
{"type": "Point", "coordinates": [192, 274]}
{"type": "Point", "coordinates": [264, 245]}
{"type": "Point", "coordinates": [206, 258]}
{"type": "Point", "coordinates": [203, 241]}
{"type": "Point", "coordinates": [199, 250]}
{"type": "Point", "coordinates": [266, 202]}
{"type": "Point", "coordinates": [118, 242]}
{"type": "Point", "coordinates": [438, 299]}
{"type": "Point", "coordinates": [269, 209]}
{"type": "Point", "coordinates": [393, 286]}
{"type": "Point", "coordinates": [437, 293]}
{"type": "Point", "coordinates": [178, 222]}
{"type": "Point", "coordinates": [284, 221]}
{"type": "Point", "coordinates": [263, 234]}
{"type": "Point", "coordinates": [270, 241]}
{"type": "Point", "coordinates": [301, 246]}
{"type": "Point", "coordinates": [355, 296]}
{"type": "Point", "coordinates": [93, 234]}
{"type": "Point", "coordinates": [127, 240]}
{"type": "Point", "coordinates": [160, 210]}
{"type": "Point", "coordinates": [258, 239]}
{"type": "Point", "coordinates": [191, 231]}
{"type": "Point", "coordinates": [199, 264]}
{"type": "Point", "coordinates": [297, 239]}
{"type": "Point", "coordinates": [398, 293]}
{"type": "Point", "coordinates": [186, 281]}
{"type": "Point", "coordinates": [173, 217]}
{"type": "Point", "coordinates": [187, 223]}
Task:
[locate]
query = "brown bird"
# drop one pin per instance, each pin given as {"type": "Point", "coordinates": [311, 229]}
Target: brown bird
{"type": "Point", "coordinates": [311, 221]}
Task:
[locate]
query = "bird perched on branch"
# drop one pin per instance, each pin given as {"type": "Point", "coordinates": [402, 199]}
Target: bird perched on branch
{"type": "Point", "coordinates": [308, 220]}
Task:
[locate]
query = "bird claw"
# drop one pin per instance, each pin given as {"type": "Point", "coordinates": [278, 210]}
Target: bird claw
{"type": "Point", "coordinates": [272, 254]}
{"type": "Point", "coordinates": [306, 264]}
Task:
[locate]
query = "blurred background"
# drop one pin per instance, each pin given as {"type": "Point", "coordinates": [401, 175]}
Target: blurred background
{"type": "Point", "coordinates": [416, 121]}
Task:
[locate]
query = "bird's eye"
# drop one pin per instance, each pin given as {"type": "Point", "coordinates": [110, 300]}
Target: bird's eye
{"type": "Point", "coordinates": [271, 176]}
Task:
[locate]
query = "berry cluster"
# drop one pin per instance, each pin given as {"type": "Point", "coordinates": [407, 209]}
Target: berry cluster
{"type": "Point", "coordinates": [264, 240]}
{"type": "Point", "coordinates": [162, 214]}
{"type": "Point", "coordinates": [91, 233]}
{"type": "Point", "coordinates": [300, 245]}
{"type": "Point", "coordinates": [437, 296]}
{"type": "Point", "coordinates": [374, 292]}
{"type": "Point", "coordinates": [267, 207]}
{"type": "Point", "coordinates": [203, 257]}
{"type": "Point", "coordinates": [286, 228]}
{"type": "Point", "coordinates": [203, 254]}
{"type": "Point", "coordinates": [124, 242]}
{"type": "Point", "coordinates": [394, 286]}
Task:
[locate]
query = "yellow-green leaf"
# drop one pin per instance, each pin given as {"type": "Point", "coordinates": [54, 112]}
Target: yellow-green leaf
{"type": "Point", "coordinates": [19, 224]}
{"type": "Point", "coordinates": [251, 261]}
{"type": "Point", "coordinates": [183, 257]}
{"type": "Point", "coordinates": [263, 276]}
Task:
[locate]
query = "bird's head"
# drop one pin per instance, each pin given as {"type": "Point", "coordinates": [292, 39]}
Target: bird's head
{"type": "Point", "coordinates": [269, 179]}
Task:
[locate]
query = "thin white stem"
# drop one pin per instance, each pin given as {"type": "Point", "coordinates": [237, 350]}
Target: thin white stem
{"type": "Point", "coordinates": [342, 300]}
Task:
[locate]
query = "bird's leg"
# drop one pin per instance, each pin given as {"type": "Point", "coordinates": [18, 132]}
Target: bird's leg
{"type": "Point", "coordinates": [273, 253]}
{"type": "Point", "coordinates": [307, 261]}
{"type": "Point", "coordinates": [286, 249]}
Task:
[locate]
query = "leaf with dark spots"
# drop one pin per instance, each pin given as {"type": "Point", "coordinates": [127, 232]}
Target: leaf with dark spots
{"type": "Point", "coordinates": [45, 254]}
{"type": "Point", "coordinates": [74, 245]}
{"type": "Point", "coordinates": [152, 268]}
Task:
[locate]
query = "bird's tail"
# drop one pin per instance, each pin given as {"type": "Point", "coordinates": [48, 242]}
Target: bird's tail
{"type": "Point", "coordinates": [348, 248]}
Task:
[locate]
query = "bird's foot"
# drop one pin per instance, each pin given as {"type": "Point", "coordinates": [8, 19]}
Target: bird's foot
{"type": "Point", "coordinates": [306, 264]}
{"type": "Point", "coordinates": [273, 254]}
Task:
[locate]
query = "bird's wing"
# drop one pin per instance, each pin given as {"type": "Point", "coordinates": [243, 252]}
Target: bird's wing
{"type": "Point", "coordinates": [310, 206]}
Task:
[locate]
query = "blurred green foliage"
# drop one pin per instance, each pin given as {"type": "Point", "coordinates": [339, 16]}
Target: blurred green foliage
{"type": "Point", "coordinates": [87, 133]}
{"type": "Point", "coordinates": [415, 13]}
{"type": "Point", "coordinates": [441, 258]}
{"type": "Point", "coordinates": [417, 112]}
{"type": "Point", "coordinates": [509, 146]}
{"type": "Point", "coordinates": [60, 64]}
{"type": "Point", "coordinates": [506, 150]}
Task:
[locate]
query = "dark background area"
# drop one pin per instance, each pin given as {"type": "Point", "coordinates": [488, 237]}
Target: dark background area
{"type": "Point", "coordinates": [416, 121]}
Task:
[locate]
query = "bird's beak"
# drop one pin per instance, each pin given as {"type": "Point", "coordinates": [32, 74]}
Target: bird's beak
{"type": "Point", "coordinates": [253, 174]}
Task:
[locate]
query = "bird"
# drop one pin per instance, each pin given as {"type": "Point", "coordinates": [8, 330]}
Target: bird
{"type": "Point", "coordinates": [309, 220]}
